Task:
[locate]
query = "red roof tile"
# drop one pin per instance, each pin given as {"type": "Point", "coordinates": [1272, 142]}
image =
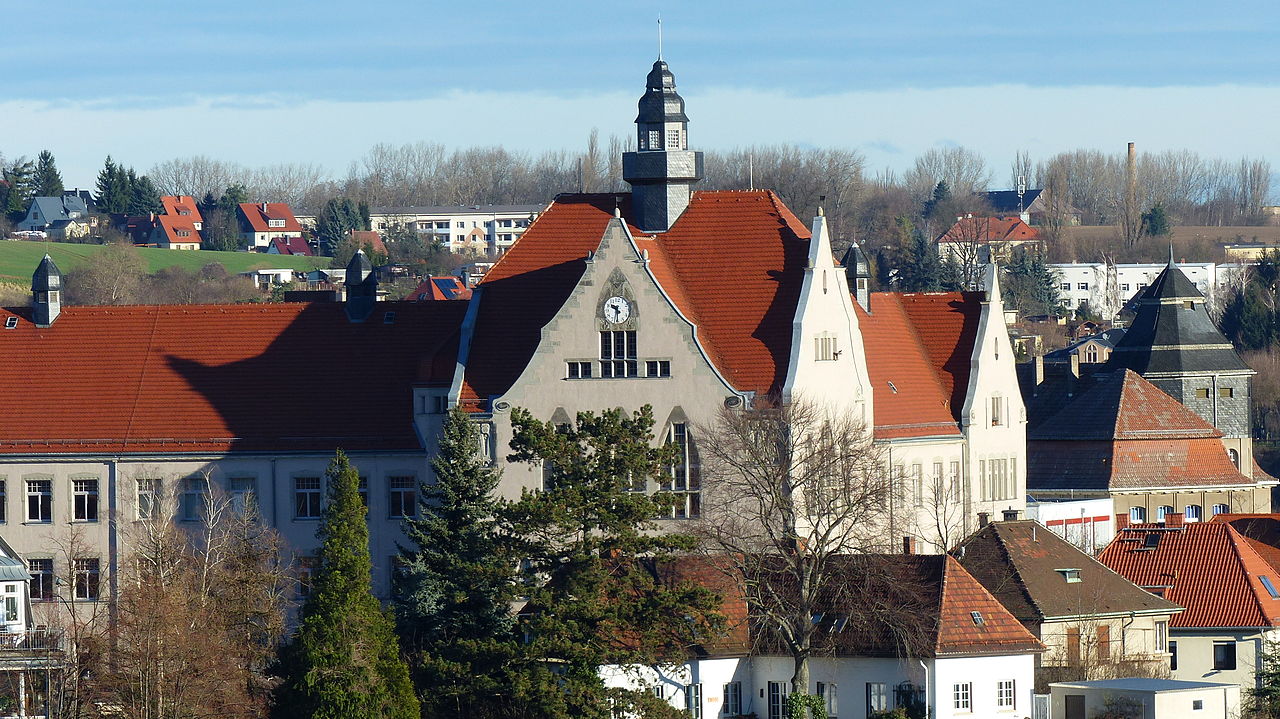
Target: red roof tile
{"type": "Point", "coordinates": [947, 325]}
{"type": "Point", "coordinates": [908, 397]}
{"type": "Point", "coordinates": [1206, 567]}
{"type": "Point", "coordinates": [259, 214]}
{"type": "Point", "coordinates": [182, 206]}
{"type": "Point", "coordinates": [960, 632]}
{"type": "Point", "coordinates": [174, 226]}
{"type": "Point", "coordinates": [148, 378]}
{"type": "Point", "coordinates": [371, 238]}
{"type": "Point", "coordinates": [439, 288]}
{"type": "Point", "coordinates": [731, 263]}
{"type": "Point", "coordinates": [1260, 531]}
{"type": "Point", "coordinates": [990, 229]}
{"type": "Point", "coordinates": [291, 246]}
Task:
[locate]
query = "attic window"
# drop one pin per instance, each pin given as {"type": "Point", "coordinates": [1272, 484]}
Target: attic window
{"type": "Point", "coordinates": [389, 318]}
{"type": "Point", "coordinates": [1188, 304]}
{"type": "Point", "coordinates": [978, 621]}
{"type": "Point", "coordinates": [1271, 588]}
{"type": "Point", "coordinates": [1151, 541]}
{"type": "Point", "coordinates": [893, 387]}
{"type": "Point", "coordinates": [10, 322]}
{"type": "Point", "coordinates": [275, 223]}
{"type": "Point", "coordinates": [1071, 575]}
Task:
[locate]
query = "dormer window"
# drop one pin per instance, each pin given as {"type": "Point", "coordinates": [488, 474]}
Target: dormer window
{"type": "Point", "coordinates": [275, 223]}
{"type": "Point", "coordinates": [1072, 576]}
{"type": "Point", "coordinates": [978, 621]}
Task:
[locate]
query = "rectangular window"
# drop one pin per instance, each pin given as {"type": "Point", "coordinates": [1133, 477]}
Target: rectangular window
{"type": "Point", "coordinates": [618, 354]}
{"type": "Point", "coordinates": [877, 697]}
{"type": "Point", "coordinates": [673, 139]}
{"type": "Point", "coordinates": [4, 501]}
{"type": "Point", "coordinates": [40, 500]}
{"type": "Point", "coordinates": [1066, 287]}
{"type": "Point", "coordinates": [1005, 694]}
{"type": "Point", "coordinates": [732, 698]}
{"type": "Point", "coordinates": [1202, 393]}
{"type": "Point", "coordinates": [1104, 642]}
{"type": "Point", "coordinates": [86, 579]}
{"type": "Point", "coordinates": [983, 489]}
{"type": "Point", "coordinates": [683, 476]}
{"type": "Point", "coordinates": [1217, 508]}
{"type": "Point", "coordinates": [41, 579]}
{"type": "Point", "coordinates": [244, 494]}
{"type": "Point", "coordinates": [275, 223]}
{"type": "Point", "coordinates": [655, 139]}
{"type": "Point", "coordinates": [306, 568]}
{"type": "Point", "coordinates": [578, 370]}
{"type": "Point", "coordinates": [403, 496]}
{"type": "Point", "coordinates": [85, 507]}
{"type": "Point", "coordinates": [1073, 646]}
{"type": "Point", "coordinates": [962, 697]}
{"type": "Point", "coordinates": [827, 692]}
{"type": "Point", "coordinates": [1162, 637]}
{"type": "Point", "coordinates": [195, 491]}
{"type": "Point", "coordinates": [693, 700]}
{"type": "Point", "coordinates": [306, 497]}
{"type": "Point", "coordinates": [1082, 285]}
{"type": "Point", "coordinates": [1124, 287]}
{"type": "Point", "coordinates": [1224, 655]}
{"type": "Point", "coordinates": [363, 488]}
{"type": "Point", "coordinates": [1192, 513]}
{"type": "Point", "coordinates": [657, 368]}
{"type": "Point", "coordinates": [1226, 392]}
{"type": "Point", "coordinates": [825, 347]}
{"type": "Point", "coordinates": [1173, 656]}
{"type": "Point", "coordinates": [777, 699]}
{"type": "Point", "coordinates": [917, 483]}
{"type": "Point", "coordinates": [148, 498]}
{"type": "Point", "coordinates": [997, 416]}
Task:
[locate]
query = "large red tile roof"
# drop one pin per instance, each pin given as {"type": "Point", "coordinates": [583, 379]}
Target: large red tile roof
{"type": "Point", "coordinates": [215, 378]}
{"type": "Point", "coordinates": [182, 206]}
{"type": "Point", "coordinates": [258, 217]}
{"type": "Point", "coordinates": [907, 393]}
{"type": "Point", "coordinates": [173, 225]}
{"type": "Point", "coordinates": [990, 229]}
{"type": "Point", "coordinates": [731, 263]}
{"type": "Point", "coordinates": [1206, 567]}
{"type": "Point", "coordinates": [947, 325]}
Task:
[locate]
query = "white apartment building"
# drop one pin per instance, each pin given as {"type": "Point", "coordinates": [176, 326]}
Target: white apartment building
{"type": "Point", "coordinates": [468, 230]}
{"type": "Point", "coordinates": [1107, 288]}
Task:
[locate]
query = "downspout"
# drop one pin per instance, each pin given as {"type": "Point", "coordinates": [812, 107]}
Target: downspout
{"type": "Point", "coordinates": [928, 706]}
{"type": "Point", "coordinates": [113, 536]}
{"type": "Point", "coordinates": [275, 497]}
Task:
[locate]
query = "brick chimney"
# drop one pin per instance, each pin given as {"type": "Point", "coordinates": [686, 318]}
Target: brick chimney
{"type": "Point", "coordinates": [908, 544]}
{"type": "Point", "coordinates": [1173, 519]}
{"type": "Point", "coordinates": [984, 518]}
{"type": "Point", "coordinates": [1122, 521]}
{"type": "Point", "coordinates": [1010, 515]}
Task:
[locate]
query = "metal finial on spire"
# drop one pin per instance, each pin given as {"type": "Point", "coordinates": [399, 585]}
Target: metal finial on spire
{"type": "Point", "coordinates": [1171, 254]}
{"type": "Point", "coordinates": [659, 36]}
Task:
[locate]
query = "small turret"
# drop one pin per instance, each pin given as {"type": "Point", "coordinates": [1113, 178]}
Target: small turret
{"type": "Point", "coordinates": [662, 170]}
{"type": "Point", "coordinates": [362, 287]}
{"type": "Point", "coordinates": [858, 270]}
{"type": "Point", "coordinates": [46, 293]}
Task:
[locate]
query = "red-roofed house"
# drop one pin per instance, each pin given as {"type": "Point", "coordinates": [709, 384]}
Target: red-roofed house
{"type": "Point", "coordinates": [261, 222]}
{"type": "Point", "coordinates": [1231, 594]}
{"type": "Point", "coordinates": [289, 246]}
{"type": "Point", "coordinates": [439, 288]}
{"type": "Point", "coordinates": [938, 640]}
{"type": "Point", "coordinates": [985, 239]}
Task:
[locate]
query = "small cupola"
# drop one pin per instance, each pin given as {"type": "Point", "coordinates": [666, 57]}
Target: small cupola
{"type": "Point", "coordinates": [46, 293]}
{"type": "Point", "coordinates": [362, 287]}
{"type": "Point", "coordinates": [858, 270]}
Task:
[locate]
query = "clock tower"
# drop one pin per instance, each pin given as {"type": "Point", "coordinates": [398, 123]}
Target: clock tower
{"type": "Point", "coordinates": [663, 169]}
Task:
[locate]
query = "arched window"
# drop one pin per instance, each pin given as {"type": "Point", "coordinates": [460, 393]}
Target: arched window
{"type": "Point", "coordinates": [1193, 513]}
{"type": "Point", "coordinates": [1235, 457]}
{"type": "Point", "coordinates": [1138, 514]}
{"type": "Point", "coordinates": [1221, 509]}
{"type": "Point", "coordinates": [1161, 512]}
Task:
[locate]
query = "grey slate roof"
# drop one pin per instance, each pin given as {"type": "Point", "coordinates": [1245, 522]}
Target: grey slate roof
{"type": "Point", "coordinates": [1107, 339]}
{"type": "Point", "coordinates": [1167, 337]}
{"type": "Point", "coordinates": [53, 209]}
{"type": "Point", "coordinates": [660, 102]}
{"type": "Point", "coordinates": [1007, 200]}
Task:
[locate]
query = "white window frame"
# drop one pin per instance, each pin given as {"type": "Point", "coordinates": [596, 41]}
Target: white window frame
{"type": "Point", "coordinates": [42, 578]}
{"type": "Point", "coordinates": [402, 495]}
{"type": "Point", "coordinates": [827, 691]}
{"type": "Point", "coordinates": [87, 578]}
{"type": "Point", "coordinates": [877, 697]}
{"type": "Point", "coordinates": [84, 499]}
{"type": "Point", "coordinates": [1006, 695]}
{"type": "Point", "coordinates": [39, 491]}
{"type": "Point", "coordinates": [1192, 513]}
{"type": "Point", "coordinates": [683, 477]}
{"type": "Point", "coordinates": [693, 700]}
{"type": "Point", "coordinates": [962, 696]}
{"type": "Point", "coordinates": [312, 495]}
{"type": "Point", "coordinates": [732, 701]}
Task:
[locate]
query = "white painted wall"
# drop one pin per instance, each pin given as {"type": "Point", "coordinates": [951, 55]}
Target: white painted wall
{"type": "Point", "coordinates": [1087, 523]}
{"type": "Point", "coordinates": [1195, 654]}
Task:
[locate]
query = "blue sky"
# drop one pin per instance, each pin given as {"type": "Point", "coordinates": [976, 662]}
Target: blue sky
{"type": "Point", "coordinates": [266, 82]}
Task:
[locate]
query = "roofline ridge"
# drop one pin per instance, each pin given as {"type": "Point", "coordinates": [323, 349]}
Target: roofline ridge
{"type": "Point", "coordinates": [1240, 549]}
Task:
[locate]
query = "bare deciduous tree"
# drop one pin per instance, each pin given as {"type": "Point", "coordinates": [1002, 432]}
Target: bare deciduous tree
{"type": "Point", "coordinates": [789, 493]}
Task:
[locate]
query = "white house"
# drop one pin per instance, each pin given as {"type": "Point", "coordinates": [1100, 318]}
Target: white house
{"type": "Point", "coordinates": [967, 657]}
{"type": "Point", "coordinates": [1106, 288]}
{"type": "Point", "coordinates": [464, 229]}
{"type": "Point", "coordinates": [1147, 698]}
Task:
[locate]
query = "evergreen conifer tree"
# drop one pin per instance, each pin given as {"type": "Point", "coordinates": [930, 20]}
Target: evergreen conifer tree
{"type": "Point", "coordinates": [144, 198]}
{"type": "Point", "coordinates": [114, 190]}
{"type": "Point", "coordinates": [344, 660]}
{"type": "Point", "coordinates": [18, 188]}
{"type": "Point", "coordinates": [588, 543]}
{"type": "Point", "coordinates": [454, 583]}
{"type": "Point", "coordinates": [922, 270]}
{"type": "Point", "coordinates": [48, 181]}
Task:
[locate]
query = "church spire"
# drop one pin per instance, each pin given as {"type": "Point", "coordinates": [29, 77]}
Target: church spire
{"type": "Point", "coordinates": [663, 169]}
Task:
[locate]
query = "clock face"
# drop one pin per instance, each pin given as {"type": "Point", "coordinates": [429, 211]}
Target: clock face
{"type": "Point", "coordinates": [616, 309]}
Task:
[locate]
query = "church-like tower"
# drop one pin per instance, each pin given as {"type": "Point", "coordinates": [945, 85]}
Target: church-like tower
{"type": "Point", "coordinates": [663, 169]}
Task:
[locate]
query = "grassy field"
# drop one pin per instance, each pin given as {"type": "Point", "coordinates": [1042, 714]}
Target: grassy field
{"type": "Point", "coordinates": [18, 259]}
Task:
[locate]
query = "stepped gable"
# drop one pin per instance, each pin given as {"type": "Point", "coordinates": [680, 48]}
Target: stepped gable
{"type": "Point", "coordinates": [1019, 563]}
{"type": "Point", "coordinates": [908, 397]}
{"type": "Point", "coordinates": [1172, 332]}
{"type": "Point", "coordinates": [731, 264]}
{"type": "Point", "coordinates": [947, 325]}
{"type": "Point", "coordinates": [1207, 567]}
{"type": "Point", "coordinates": [216, 378]}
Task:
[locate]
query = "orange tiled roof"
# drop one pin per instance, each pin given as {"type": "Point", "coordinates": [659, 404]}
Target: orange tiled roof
{"type": "Point", "coordinates": [371, 238]}
{"type": "Point", "coordinates": [1206, 567]}
{"type": "Point", "coordinates": [990, 229]}
{"type": "Point", "coordinates": [731, 263]}
{"type": "Point", "coordinates": [187, 378]}
{"type": "Point", "coordinates": [908, 397]}
{"type": "Point", "coordinates": [1261, 531]}
{"type": "Point", "coordinates": [258, 217]}
{"type": "Point", "coordinates": [182, 206]}
{"type": "Point", "coordinates": [947, 325]}
{"type": "Point", "coordinates": [174, 225]}
{"type": "Point", "coordinates": [959, 633]}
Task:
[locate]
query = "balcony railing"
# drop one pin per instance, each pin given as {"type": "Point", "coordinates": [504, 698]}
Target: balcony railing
{"type": "Point", "coordinates": [31, 640]}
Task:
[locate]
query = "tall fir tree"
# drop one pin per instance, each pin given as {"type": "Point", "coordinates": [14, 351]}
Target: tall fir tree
{"type": "Point", "coordinates": [454, 586]}
{"type": "Point", "coordinates": [921, 270]}
{"type": "Point", "coordinates": [18, 188]}
{"type": "Point", "coordinates": [114, 190]}
{"type": "Point", "coordinates": [336, 220]}
{"type": "Point", "coordinates": [144, 198]}
{"type": "Point", "coordinates": [345, 659]}
{"type": "Point", "coordinates": [48, 181]}
{"type": "Point", "coordinates": [588, 542]}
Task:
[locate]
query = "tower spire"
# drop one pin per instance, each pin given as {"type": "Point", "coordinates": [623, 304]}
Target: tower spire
{"type": "Point", "coordinates": [663, 169]}
{"type": "Point", "coordinates": [659, 37]}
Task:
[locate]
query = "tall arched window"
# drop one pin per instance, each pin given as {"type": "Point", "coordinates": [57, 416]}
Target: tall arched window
{"type": "Point", "coordinates": [1138, 514]}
